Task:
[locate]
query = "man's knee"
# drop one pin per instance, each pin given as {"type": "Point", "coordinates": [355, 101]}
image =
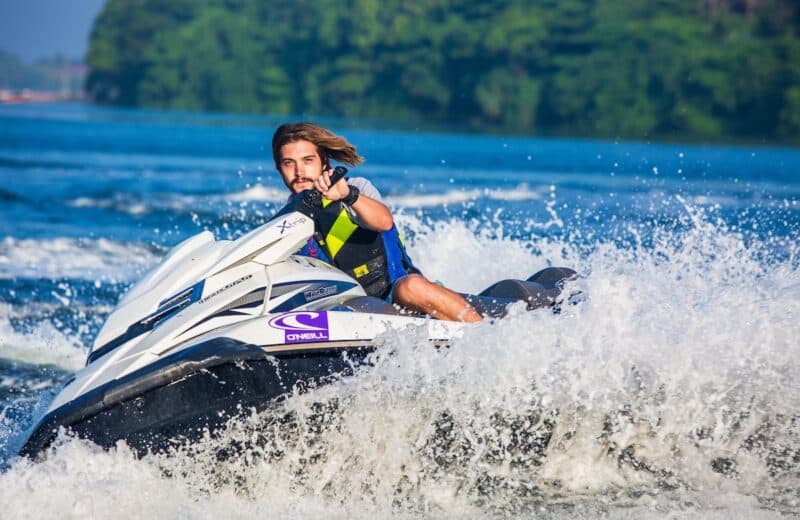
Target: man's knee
{"type": "Point", "coordinates": [411, 287]}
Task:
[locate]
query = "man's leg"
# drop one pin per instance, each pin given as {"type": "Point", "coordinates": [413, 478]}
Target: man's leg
{"type": "Point", "coordinates": [419, 294]}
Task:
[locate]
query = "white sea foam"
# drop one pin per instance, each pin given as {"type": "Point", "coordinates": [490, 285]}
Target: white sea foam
{"type": "Point", "coordinates": [180, 203]}
{"type": "Point", "coordinates": [673, 382]}
{"type": "Point", "coordinates": [258, 192]}
{"type": "Point", "coordinates": [123, 205]}
{"type": "Point", "coordinates": [129, 204]}
{"type": "Point", "coordinates": [670, 389]}
{"type": "Point", "coordinates": [521, 192]}
{"type": "Point", "coordinates": [433, 199]}
{"type": "Point", "coordinates": [470, 256]}
{"type": "Point", "coordinates": [46, 345]}
{"type": "Point", "coordinates": [73, 258]}
{"type": "Point", "coordinates": [133, 205]}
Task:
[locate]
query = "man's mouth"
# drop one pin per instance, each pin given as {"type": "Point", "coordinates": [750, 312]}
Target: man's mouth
{"type": "Point", "coordinates": [301, 182]}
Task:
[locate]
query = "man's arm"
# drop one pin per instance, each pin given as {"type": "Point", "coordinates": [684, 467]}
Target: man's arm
{"type": "Point", "coordinates": [371, 213]}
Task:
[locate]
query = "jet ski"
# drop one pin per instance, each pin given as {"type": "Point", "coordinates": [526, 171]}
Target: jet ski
{"type": "Point", "coordinates": [221, 328]}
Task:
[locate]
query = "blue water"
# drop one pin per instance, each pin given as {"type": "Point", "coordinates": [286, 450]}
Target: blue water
{"type": "Point", "coordinates": [691, 260]}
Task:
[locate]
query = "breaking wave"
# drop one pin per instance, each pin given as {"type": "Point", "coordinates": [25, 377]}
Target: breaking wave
{"type": "Point", "coordinates": [99, 259]}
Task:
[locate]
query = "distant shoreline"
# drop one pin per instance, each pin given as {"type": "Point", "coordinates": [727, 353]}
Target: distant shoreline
{"type": "Point", "coordinates": [13, 97]}
{"type": "Point", "coordinates": [33, 97]}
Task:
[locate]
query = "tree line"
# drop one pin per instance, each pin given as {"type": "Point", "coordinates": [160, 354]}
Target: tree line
{"type": "Point", "coordinates": [57, 74]}
{"type": "Point", "coordinates": [697, 69]}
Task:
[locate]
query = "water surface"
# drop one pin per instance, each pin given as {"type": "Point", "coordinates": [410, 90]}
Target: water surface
{"type": "Point", "coordinates": [672, 388]}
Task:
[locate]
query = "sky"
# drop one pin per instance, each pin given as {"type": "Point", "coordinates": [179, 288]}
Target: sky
{"type": "Point", "coordinates": [34, 29]}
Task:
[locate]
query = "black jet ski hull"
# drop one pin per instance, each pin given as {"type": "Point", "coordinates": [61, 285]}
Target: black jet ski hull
{"type": "Point", "coordinates": [180, 398]}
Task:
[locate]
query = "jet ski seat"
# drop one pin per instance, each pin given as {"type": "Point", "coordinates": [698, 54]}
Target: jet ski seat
{"type": "Point", "coordinates": [540, 290]}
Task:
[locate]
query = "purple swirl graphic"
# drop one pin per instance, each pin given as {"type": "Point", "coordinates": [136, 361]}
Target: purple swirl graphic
{"type": "Point", "coordinates": [302, 326]}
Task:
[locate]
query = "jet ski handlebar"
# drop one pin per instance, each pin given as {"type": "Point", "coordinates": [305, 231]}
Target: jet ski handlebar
{"type": "Point", "coordinates": [308, 202]}
{"type": "Point", "coordinates": [338, 174]}
{"type": "Point", "coordinates": [314, 197]}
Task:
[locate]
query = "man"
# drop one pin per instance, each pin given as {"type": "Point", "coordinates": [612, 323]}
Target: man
{"type": "Point", "coordinates": [355, 229]}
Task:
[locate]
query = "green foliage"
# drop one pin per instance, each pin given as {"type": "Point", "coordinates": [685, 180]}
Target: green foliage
{"type": "Point", "coordinates": [632, 68]}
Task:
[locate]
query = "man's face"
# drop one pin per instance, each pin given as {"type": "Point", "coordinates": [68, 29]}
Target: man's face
{"type": "Point", "coordinates": [300, 165]}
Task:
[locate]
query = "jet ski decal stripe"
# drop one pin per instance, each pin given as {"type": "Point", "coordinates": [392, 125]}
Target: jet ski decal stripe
{"type": "Point", "coordinates": [217, 315]}
{"type": "Point", "coordinates": [281, 289]}
{"type": "Point", "coordinates": [248, 301]}
{"type": "Point", "coordinates": [310, 291]}
{"type": "Point", "coordinates": [166, 309]}
{"type": "Point", "coordinates": [190, 295]}
{"type": "Point", "coordinates": [299, 347]}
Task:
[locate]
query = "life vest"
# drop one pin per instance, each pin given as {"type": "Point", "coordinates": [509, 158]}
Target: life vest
{"type": "Point", "coordinates": [375, 259]}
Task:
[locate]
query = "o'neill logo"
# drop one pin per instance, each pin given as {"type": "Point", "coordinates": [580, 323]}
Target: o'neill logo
{"type": "Point", "coordinates": [302, 326]}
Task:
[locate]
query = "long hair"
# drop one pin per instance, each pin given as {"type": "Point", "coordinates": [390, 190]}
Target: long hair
{"type": "Point", "coordinates": [329, 145]}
